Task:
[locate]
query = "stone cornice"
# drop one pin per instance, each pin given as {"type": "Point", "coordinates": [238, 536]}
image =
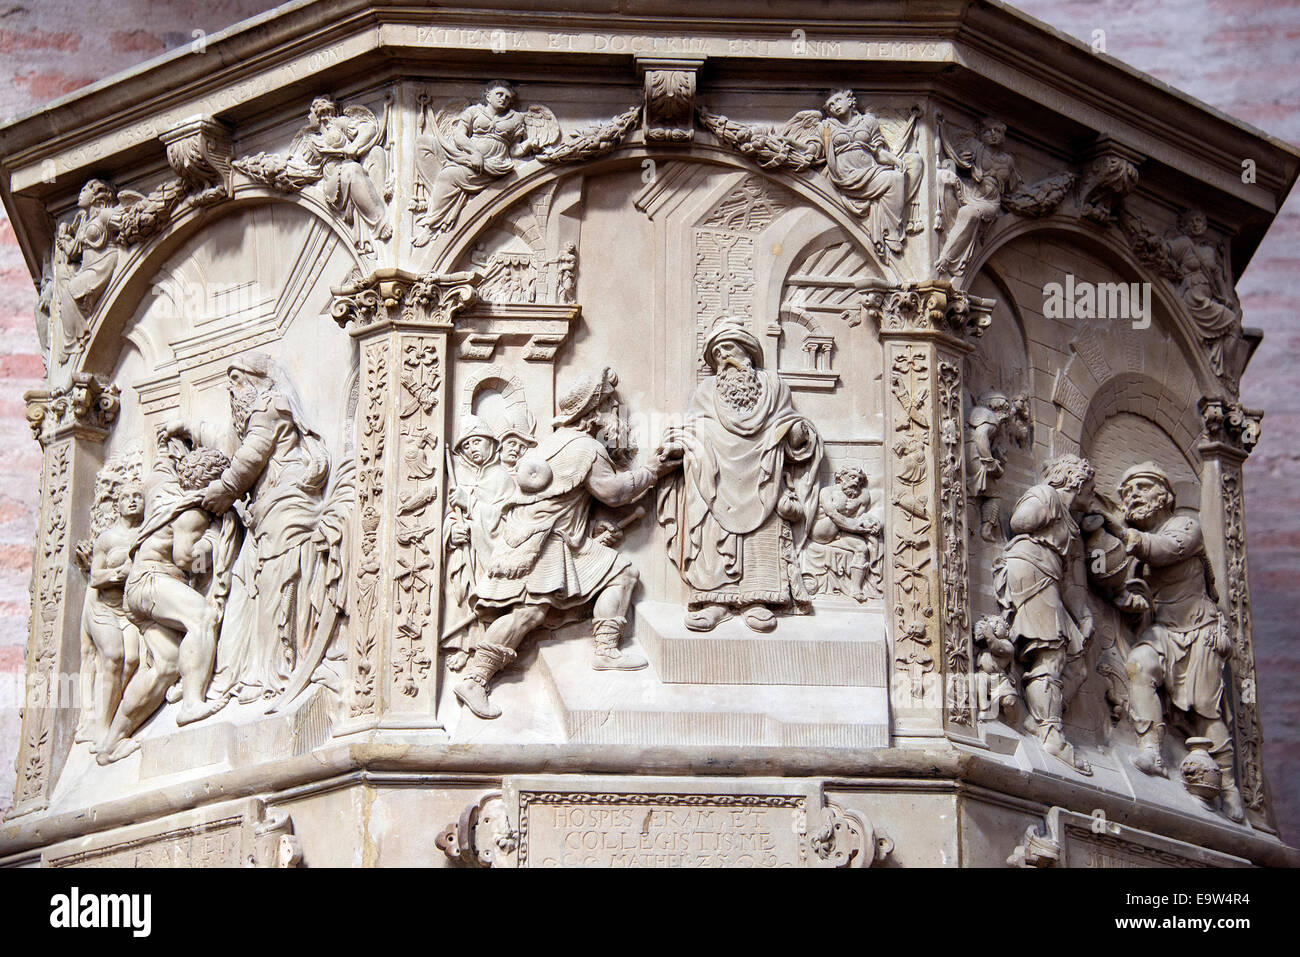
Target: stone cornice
{"type": "Point", "coordinates": [262, 58]}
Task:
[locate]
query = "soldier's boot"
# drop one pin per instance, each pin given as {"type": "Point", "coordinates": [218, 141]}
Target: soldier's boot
{"type": "Point", "coordinates": [1148, 760]}
{"type": "Point", "coordinates": [1233, 808]}
{"type": "Point", "coordinates": [472, 691]}
{"type": "Point", "coordinates": [606, 656]}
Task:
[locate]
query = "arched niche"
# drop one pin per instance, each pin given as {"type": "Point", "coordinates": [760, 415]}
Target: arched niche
{"type": "Point", "coordinates": [252, 274]}
{"type": "Point", "coordinates": [658, 259]}
{"type": "Point", "coordinates": [1071, 357]}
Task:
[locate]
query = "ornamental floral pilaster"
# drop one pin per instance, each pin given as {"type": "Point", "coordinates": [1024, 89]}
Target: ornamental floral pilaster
{"type": "Point", "coordinates": [926, 331]}
{"type": "Point", "coordinates": [402, 325]}
{"type": "Point", "coordinates": [1231, 433]}
{"type": "Point", "coordinates": [71, 423]}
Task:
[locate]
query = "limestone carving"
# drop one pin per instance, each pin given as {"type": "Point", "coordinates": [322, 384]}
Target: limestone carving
{"type": "Point", "coordinates": [669, 98]}
{"type": "Point", "coordinates": [911, 514]}
{"type": "Point", "coordinates": [1049, 615]}
{"type": "Point", "coordinates": [1186, 256]}
{"type": "Point", "coordinates": [110, 640]}
{"type": "Point", "coordinates": [482, 486]}
{"type": "Point", "coordinates": [952, 525]}
{"type": "Point", "coordinates": [552, 565]}
{"type": "Point", "coordinates": [746, 498]}
{"type": "Point", "coordinates": [840, 838]}
{"type": "Point", "coordinates": [1107, 179]}
{"type": "Point", "coordinates": [993, 418]}
{"type": "Point", "coordinates": [594, 141]}
{"type": "Point", "coordinates": [1039, 848]}
{"type": "Point", "coordinates": [472, 146]}
{"type": "Point", "coordinates": [342, 153]}
{"type": "Point", "coordinates": [198, 150]}
{"type": "Point", "coordinates": [978, 180]}
{"type": "Point", "coordinates": [995, 682]}
{"type": "Point", "coordinates": [1230, 423]}
{"type": "Point", "coordinates": [1249, 742]}
{"type": "Point", "coordinates": [844, 552]}
{"type": "Point", "coordinates": [1176, 668]}
{"type": "Point", "coordinates": [875, 178]}
{"type": "Point", "coordinates": [86, 404]}
{"type": "Point", "coordinates": [483, 836]}
{"type": "Point", "coordinates": [175, 592]}
{"type": "Point", "coordinates": [283, 617]}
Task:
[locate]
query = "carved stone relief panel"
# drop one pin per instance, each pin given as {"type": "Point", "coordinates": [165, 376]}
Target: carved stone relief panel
{"type": "Point", "coordinates": [547, 418]}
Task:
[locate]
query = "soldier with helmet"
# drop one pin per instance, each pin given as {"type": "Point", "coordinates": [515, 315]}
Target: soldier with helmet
{"type": "Point", "coordinates": [548, 564]}
{"type": "Point", "coordinates": [1183, 639]}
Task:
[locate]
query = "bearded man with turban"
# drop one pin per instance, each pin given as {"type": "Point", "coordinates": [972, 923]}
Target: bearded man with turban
{"type": "Point", "coordinates": [746, 497]}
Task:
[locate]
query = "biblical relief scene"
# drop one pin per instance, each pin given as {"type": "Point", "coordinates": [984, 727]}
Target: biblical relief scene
{"type": "Point", "coordinates": [530, 432]}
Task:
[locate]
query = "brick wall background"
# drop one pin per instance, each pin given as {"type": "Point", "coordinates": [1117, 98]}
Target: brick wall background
{"type": "Point", "coordinates": [1237, 55]}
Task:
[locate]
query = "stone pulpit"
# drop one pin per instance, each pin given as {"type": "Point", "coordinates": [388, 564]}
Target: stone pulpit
{"type": "Point", "coordinates": [609, 435]}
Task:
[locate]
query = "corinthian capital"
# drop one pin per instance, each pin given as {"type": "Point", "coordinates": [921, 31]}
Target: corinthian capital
{"type": "Point", "coordinates": [85, 407]}
{"type": "Point", "coordinates": [394, 295]}
{"type": "Point", "coordinates": [934, 306]}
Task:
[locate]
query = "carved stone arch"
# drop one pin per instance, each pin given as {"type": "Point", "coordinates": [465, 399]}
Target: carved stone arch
{"type": "Point", "coordinates": [489, 205]}
{"type": "Point", "coordinates": [506, 383]}
{"type": "Point", "coordinates": [1108, 245]}
{"type": "Point", "coordinates": [1122, 370]}
{"type": "Point", "coordinates": [1124, 426]}
{"type": "Point", "coordinates": [135, 273]}
{"type": "Point", "coordinates": [801, 317]}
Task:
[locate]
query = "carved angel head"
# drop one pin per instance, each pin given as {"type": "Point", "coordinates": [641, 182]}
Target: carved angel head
{"type": "Point", "coordinates": [499, 95]}
{"type": "Point", "coordinates": [322, 108]}
{"type": "Point", "coordinates": [992, 131]}
{"type": "Point", "coordinates": [1192, 222]}
{"type": "Point", "coordinates": [840, 104]}
{"type": "Point", "coordinates": [96, 193]}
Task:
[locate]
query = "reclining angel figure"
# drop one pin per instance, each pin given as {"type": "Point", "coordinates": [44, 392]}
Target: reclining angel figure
{"type": "Point", "coordinates": [472, 146]}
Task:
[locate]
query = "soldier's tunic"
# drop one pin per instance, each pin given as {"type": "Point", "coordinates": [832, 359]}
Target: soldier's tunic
{"type": "Point", "coordinates": [1186, 624]}
{"type": "Point", "coordinates": [1033, 574]}
{"type": "Point", "coordinates": [567, 567]}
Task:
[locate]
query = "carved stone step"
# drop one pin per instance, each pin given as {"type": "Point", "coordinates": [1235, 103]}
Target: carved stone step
{"type": "Point", "coordinates": [639, 708]}
{"type": "Point", "coordinates": [827, 648]}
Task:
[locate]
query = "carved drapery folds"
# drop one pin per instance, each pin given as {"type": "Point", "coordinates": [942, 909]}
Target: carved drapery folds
{"type": "Point", "coordinates": [869, 157]}
{"type": "Point", "coordinates": [926, 329]}
{"type": "Point", "coordinates": [342, 152]}
{"type": "Point", "coordinates": [978, 180]}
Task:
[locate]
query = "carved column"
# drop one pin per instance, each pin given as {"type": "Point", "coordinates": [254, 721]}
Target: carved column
{"type": "Point", "coordinates": [402, 325]}
{"type": "Point", "coordinates": [1231, 432]}
{"type": "Point", "coordinates": [925, 331]}
{"type": "Point", "coordinates": [71, 423]}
